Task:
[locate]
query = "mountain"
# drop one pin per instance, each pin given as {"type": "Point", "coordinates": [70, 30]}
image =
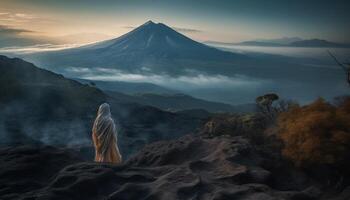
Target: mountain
{"type": "Point", "coordinates": [151, 47]}
{"type": "Point", "coordinates": [271, 42]}
{"type": "Point", "coordinates": [281, 41]}
{"type": "Point", "coordinates": [22, 81]}
{"type": "Point", "coordinates": [42, 107]}
{"type": "Point", "coordinates": [157, 54]}
{"type": "Point", "coordinates": [260, 43]}
{"type": "Point", "coordinates": [290, 42]}
{"type": "Point", "coordinates": [155, 50]}
{"type": "Point", "coordinates": [317, 43]}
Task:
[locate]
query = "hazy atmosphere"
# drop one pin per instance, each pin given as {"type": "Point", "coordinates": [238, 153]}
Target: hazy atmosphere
{"type": "Point", "coordinates": [160, 99]}
{"type": "Point", "coordinates": [29, 27]}
{"type": "Point", "coordinates": [224, 21]}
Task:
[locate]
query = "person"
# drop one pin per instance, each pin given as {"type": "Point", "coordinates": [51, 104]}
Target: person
{"type": "Point", "coordinates": [104, 136]}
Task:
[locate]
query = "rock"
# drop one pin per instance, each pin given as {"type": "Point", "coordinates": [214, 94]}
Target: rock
{"type": "Point", "coordinates": [191, 167]}
{"type": "Point", "coordinates": [312, 192]}
{"type": "Point", "coordinates": [344, 195]}
{"type": "Point", "coordinates": [250, 126]}
{"type": "Point", "coordinates": [259, 175]}
{"type": "Point", "coordinates": [25, 169]}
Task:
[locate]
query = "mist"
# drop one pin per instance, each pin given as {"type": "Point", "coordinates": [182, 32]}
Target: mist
{"type": "Point", "coordinates": [19, 125]}
{"type": "Point", "coordinates": [301, 74]}
{"type": "Point", "coordinates": [319, 54]}
{"type": "Point", "coordinates": [193, 80]}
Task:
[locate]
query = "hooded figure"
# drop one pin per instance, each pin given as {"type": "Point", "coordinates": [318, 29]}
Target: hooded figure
{"type": "Point", "coordinates": [104, 136]}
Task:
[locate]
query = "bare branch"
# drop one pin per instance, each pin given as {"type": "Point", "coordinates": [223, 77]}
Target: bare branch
{"type": "Point", "coordinates": [339, 63]}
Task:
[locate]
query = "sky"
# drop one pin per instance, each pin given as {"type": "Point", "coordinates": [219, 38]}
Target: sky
{"type": "Point", "coordinates": [204, 20]}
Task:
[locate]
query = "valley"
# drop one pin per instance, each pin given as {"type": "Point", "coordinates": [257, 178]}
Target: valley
{"type": "Point", "coordinates": [174, 100]}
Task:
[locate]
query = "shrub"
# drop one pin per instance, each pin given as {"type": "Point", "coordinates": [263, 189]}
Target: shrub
{"type": "Point", "coordinates": [318, 133]}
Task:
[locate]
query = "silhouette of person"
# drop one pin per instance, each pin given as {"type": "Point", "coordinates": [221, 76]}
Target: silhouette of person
{"type": "Point", "coordinates": [104, 136]}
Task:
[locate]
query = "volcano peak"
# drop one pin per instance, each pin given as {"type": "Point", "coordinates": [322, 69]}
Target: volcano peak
{"type": "Point", "coordinates": [149, 22]}
{"type": "Point", "coordinates": [152, 45]}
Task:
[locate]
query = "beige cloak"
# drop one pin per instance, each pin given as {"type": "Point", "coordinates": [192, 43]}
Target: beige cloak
{"type": "Point", "coordinates": [104, 136]}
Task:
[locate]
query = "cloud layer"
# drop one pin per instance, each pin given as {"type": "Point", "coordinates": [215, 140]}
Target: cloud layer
{"type": "Point", "coordinates": [7, 30]}
{"type": "Point", "coordinates": [35, 48]}
{"type": "Point", "coordinates": [194, 81]}
{"type": "Point", "coordinates": [11, 18]}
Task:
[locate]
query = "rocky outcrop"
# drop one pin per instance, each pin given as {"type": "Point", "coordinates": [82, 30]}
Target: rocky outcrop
{"type": "Point", "coordinates": [250, 126]}
{"type": "Point", "coordinates": [26, 169]}
{"type": "Point", "coordinates": [187, 168]}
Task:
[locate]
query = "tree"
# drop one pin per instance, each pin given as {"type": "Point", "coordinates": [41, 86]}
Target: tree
{"type": "Point", "coordinates": [265, 102]}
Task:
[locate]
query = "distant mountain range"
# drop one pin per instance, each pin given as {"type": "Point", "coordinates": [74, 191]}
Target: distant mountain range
{"type": "Point", "coordinates": [287, 42]}
{"type": "Point", "coordinates": [318, 43]}
{"type": "Point", "coordinates": [283, 40]}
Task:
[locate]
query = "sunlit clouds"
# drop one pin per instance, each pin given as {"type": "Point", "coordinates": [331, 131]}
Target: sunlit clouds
{"type": "Point", "coordinates": [10, 30]}
{"type": "Point", "coordinates": [8, 18]}
{"type": "Point", "coordinates": [12, 23]}
{"type": "Point", "coordinates": [36, 48]}
{"type": "Point", "coordinates": [224, 21]}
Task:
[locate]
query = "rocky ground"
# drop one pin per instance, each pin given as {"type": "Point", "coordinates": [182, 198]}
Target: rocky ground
{"type": "Point", "coordinates": [191, 167]}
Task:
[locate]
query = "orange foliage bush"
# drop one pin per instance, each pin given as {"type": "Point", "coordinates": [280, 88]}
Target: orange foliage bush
{"type": "Point", "coordinates": [318, 133]}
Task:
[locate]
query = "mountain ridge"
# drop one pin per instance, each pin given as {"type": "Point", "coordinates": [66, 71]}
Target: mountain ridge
{"type": "Point", "coordinates": [39, 106]}
{"type": "Point", "coordinates": [180, 102]}
{"type": "Point", "coordinates": [290, 42]}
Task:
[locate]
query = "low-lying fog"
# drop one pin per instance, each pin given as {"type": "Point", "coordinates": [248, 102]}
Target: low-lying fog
{"type": "Point", "coordinates": [328, 80]}
{"type": "Point", "coordinates": [242, 88]}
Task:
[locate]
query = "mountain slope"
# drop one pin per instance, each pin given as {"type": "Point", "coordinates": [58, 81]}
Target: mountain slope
{"type": "Point", "coordinates": [129, 87]}
{"type": "Point", "coordinates": [174, 102]}
{"type": "Point", "coordinates": [23, 82]}
{"type": "Point", "coordinates": [150, 47]}
{"type": "Point", "coordinates": [162, 98]}
{"type": "Point", "coordinates": [39, 106]}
